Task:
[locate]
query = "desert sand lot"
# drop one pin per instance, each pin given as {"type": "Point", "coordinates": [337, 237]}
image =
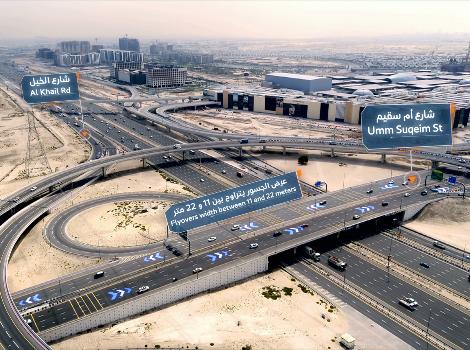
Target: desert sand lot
{"type": "Point", "coordinates": [358, 169]}
{"type": "Point", "coordinates": [447, 221]}
{"type": "Point", "coordinates": [120, 224]}
{"type": "Point", "coordinates": [261, 124]}
{"type": "Point", "coordinates": [34, 261]}
{"type": "Point", "coordinates": [240, 315]}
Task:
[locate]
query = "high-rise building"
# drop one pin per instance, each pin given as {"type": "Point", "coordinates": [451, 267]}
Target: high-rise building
{"type": "Point", "coordinates": [130, 66]}
{"type": "Point", "coordinates": [108, 56]}
{"type": "Point", "coordinates": [75, 47]}
{"type": "Point", "coordinates": [129, 44]}
{"type": "Point", "coordinates": [45, 53]}
{"type": "Point", "coordinates": [69, 60]}
{"type": "Point", "coordinates": [165, 76]}
{"type": "Point", "coordinates": [97, 47]}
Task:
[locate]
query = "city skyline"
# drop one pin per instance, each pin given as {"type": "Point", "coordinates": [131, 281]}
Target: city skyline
{"type": "Point", "coordinates": [231, 19]}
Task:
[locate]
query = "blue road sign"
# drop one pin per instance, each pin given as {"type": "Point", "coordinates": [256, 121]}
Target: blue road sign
{"type": "Point", "coordinates": [365, 209]}
{"type": "Point", "coordinates": [153, 257]}
{"type": "Point", "coordinates": [30, 300]}
{"type": "Point", "coordinates": [452, 180]}
{"type": "Point", "coordinates": [218, 255]}
{"type": "Point", "coordinates": [222, 205]}
{"type": "Point", "coordinates": [410, 125]}
{"type": "Point", "coordinates": [318, 184]}
{"type": "Point", "coordinates": [119, 293]}
{"type": "Point", "coordinates": [50, 88]}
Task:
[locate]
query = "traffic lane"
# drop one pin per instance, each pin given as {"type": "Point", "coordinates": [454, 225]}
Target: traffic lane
{"type": "Point", "coordinates": [391, 326]}
{"type": "Point", "coordinates": [440, 271]}
{"type": "Point", "coordinates": [446, 321]}
{"type": "Point", "coordinates": [428, 242]}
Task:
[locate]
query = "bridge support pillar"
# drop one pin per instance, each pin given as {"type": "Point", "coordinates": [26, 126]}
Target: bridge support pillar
{"type": "Point", "coordinates": [434, 164]}
{"type": "Point", "coordinates": [333, 153]}
{"type": "Point", "coordinates": [240, 152]}
{"type": "Point", "coordinates": [51, 188]}
{"type": "Point", "coordinates": [383, 158]}
{"type": "Point", "coordinates": [103, 172]}
{"type": "Point", "coordinates": [283, 151]}
{"type": "Point", "coordinates": [184, 153]}
{"type": "Point", "coordinates": [143, 162]}
{"type": "Point", "coordinates": [263, 148]}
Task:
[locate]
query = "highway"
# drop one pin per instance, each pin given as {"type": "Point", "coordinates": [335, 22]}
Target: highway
{"type": "Point", "coordinates": [82, 304]}
{"type": "Point", "coordinates": [237, 248]}
{"type": "Point", "coordinates": [446, 320]}
{"type": "Point", "coordinates": [439, 271]}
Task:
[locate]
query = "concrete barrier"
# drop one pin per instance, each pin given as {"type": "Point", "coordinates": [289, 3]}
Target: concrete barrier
{"type": "Point", "coordinates": [228, 273]}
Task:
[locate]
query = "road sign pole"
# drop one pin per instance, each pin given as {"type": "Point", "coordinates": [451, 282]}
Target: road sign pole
{"type": "Point", "coordinates": [81, 112]}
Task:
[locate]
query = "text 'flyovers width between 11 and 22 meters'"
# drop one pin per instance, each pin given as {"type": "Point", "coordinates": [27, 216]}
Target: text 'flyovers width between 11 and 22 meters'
{"type": "Point", "coordinates": [226, 204]}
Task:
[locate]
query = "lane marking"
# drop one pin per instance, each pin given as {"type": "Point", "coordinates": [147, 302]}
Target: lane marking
{"type": "Point", "coordinates": [74, 309]}
{"type": "Point", "coordinates": [97, 300]}
{"type": "Point", "coordinates": [88, 296]}
{"type": "Point", "coordinates": [84, 302]}
{"type": "Point", "coordinates": [34, 321]}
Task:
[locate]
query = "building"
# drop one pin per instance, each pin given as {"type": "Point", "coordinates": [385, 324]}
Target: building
{"type": "Point", "coordinates": [165, 76]}
{"type": "Point", "coordinates": [131, 66]}
{"type": "Point", "coordinates": [187, 58]}
{"type": "Point", "coordinates": [129, 44]}
{"type": "Point", "coordinates": [108, 56]}
{"type": "Point", "coordinates": [97, 47]}
{"type": "Point", "coordinates": [131, 77]}
{"type": "Point", "coordinates": [160, 48]}
{"type": "Point", "coordinates": [300, 82]}
{"type": "Point", "coordinates": [45, 53]}
{"type": "Point", "coordinates": [69, 60]}
{"type": "Point", "coordinates": [350, 95]}
{"type": "Point", "coordinates": [75, 47]}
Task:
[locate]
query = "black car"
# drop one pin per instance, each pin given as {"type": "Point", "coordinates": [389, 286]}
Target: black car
{"type": "Point", "coordinates": [384, 204]}
{"type": "Point", "coordinates": [322, 203]}
{"type": "Point", "coordinates": [174, 279]}
{"type": "Point", "coordinates": [277, 234]}
{"type": "Point", "coordinates": [176, 252]}
{"type": "Point", "coordinates": [423, 264]}
{"type": "Point", "coordinates": [424, 193]}
{"type": "Point", "coordinates": [370, 191]}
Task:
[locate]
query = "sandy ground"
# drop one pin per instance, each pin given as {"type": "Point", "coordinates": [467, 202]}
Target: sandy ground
{"type": "Point", "coordinates": [232, 318]}
{"type": "Point", "coordinates": [447, 221]}
{"type": "Point", "coordinates": [31, 262]}
{"type": "Point", "coordinates": [121, 224]}
{"type": "Point", "coordinates": [63, 147]}
{"type": "Point", "coordinates": [358, 169]}
{"type": "Point", "coordinates": [261, 124]}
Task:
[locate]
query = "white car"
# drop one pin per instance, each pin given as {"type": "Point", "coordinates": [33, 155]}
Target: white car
{"type": "Point", "coordinates": [407, 194]}
{"type": "Point", "coordinates": [197, 269]}
{"type": "Point", "coordinates": [253, 245]}
{"type": "Point", "coordinates": [142, 289]}
{"type": "Point", "coordinates": [409, 303]}
{"type": "Point", "coordinates": [355, 217]}
{"type": "Point", "coordinates": [235, 227]}
{"type": "Point", "coordinates": [34, 188]}
{"type": "Point", "coordinates": [176, 146]}
{"type": "Point", "coordinates": [391, 182]}
{"type": "Point", "coordinates": [212, 239]}
{"type": "Point", "coordinates": [202, 180]}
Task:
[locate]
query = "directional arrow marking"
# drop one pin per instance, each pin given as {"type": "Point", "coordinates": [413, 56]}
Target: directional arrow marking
{"type": "Point", "coordinates": [389, 186]}
{"type": "Point", "coordinates": [153, 257]}
{"type": "Point", "coordinates": [119, 293]}
{"type": "Point", "coordinates": [113, 295]}
{"type": "Point", "coordinates": [218, 255]}
{"type": "Point", "coordinates": [365, 209]}
{"type": "Point", "coordinates": [315, 206]}
{"type": "Point", "coordinates": [249, 226]}
{"type": "Point", "coordinates": [293, 230]}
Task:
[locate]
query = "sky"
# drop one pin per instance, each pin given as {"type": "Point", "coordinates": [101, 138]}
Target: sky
{"type": "Point", "coordinates": [230, 19]}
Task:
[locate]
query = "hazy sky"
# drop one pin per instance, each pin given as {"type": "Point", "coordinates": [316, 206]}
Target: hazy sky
{"type": "Point", "coordinates": [230, 19]}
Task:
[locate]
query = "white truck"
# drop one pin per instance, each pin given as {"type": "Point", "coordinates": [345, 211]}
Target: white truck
{"type": "Point", "coordinates": [347, 341]}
